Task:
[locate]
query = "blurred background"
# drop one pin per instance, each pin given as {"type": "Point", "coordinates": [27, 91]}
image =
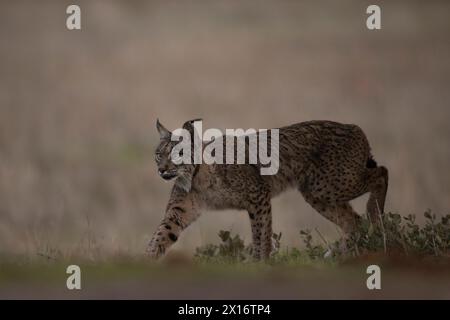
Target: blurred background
{"type": "Point", "coordinates": [78, 108]}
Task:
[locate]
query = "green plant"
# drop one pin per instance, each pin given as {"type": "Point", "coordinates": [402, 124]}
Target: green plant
{"type": "Point", "coordinates": [402, 235]}
{"type": "Point", "coordinates": [231, 249]}
{"type": "Point", "coordinates": [314, 251]}
{"type": "Point", "coordinates": [391, 234]}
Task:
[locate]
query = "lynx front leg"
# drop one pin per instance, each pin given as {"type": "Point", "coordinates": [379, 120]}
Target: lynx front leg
{"type": "Point", "coordinates": [180, 213]}
{"type": "Point", "coordinates": [261, 223]}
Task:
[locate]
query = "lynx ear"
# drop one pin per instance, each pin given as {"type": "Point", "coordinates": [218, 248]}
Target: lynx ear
{"type": "Point", "coordinates": [189, 125]}
{"type": "Point", "coordinates": [163, 132]}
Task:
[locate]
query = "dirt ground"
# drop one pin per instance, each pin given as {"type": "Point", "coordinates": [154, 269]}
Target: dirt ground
{"type": "Point", "coordinates": [180, 279]}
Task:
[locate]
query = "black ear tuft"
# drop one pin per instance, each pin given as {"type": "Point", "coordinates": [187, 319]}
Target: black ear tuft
{"type": "Point", "coordinates": [163, 132]}
{"type": "Point", "coordinates": [188, 124]}
{"type": "Point", "coordinates": [371, 163]}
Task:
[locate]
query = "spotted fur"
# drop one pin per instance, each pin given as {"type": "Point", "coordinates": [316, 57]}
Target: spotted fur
{"type": "Point", "coordinates": [328, 162]}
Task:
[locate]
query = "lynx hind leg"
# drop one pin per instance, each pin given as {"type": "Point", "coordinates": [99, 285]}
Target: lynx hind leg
{"type": "Point", "coordinates": [341, 214]}
{"type": "Point", "coordinates": [377, 185]}
{"type": "Point", "coordinates": [261, 223]}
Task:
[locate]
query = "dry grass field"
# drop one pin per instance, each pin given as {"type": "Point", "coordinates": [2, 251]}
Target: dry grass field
{"type": "Point", "coordinates": [78, 109]}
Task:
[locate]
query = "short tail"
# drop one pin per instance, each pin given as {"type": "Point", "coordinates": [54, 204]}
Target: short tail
{"type": "Point", "coordinates": [371, 163]}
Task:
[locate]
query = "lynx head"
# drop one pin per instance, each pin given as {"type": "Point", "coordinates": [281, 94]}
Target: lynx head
{"type": "Point", "coordinates": [168, 167]}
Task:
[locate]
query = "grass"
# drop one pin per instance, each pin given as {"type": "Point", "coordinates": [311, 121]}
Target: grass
{"type": "Point", "coordinates": [408, 253]}
{"type": "Point", "coordinates": [396, 236]}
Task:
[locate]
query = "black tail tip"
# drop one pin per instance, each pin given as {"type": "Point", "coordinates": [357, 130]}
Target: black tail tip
{"type": "Point", "coordinates": [371, 163]}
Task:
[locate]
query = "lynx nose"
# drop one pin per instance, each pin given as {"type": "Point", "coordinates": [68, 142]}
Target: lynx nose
{"type": "Point", "coordinates": [166, 175]}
